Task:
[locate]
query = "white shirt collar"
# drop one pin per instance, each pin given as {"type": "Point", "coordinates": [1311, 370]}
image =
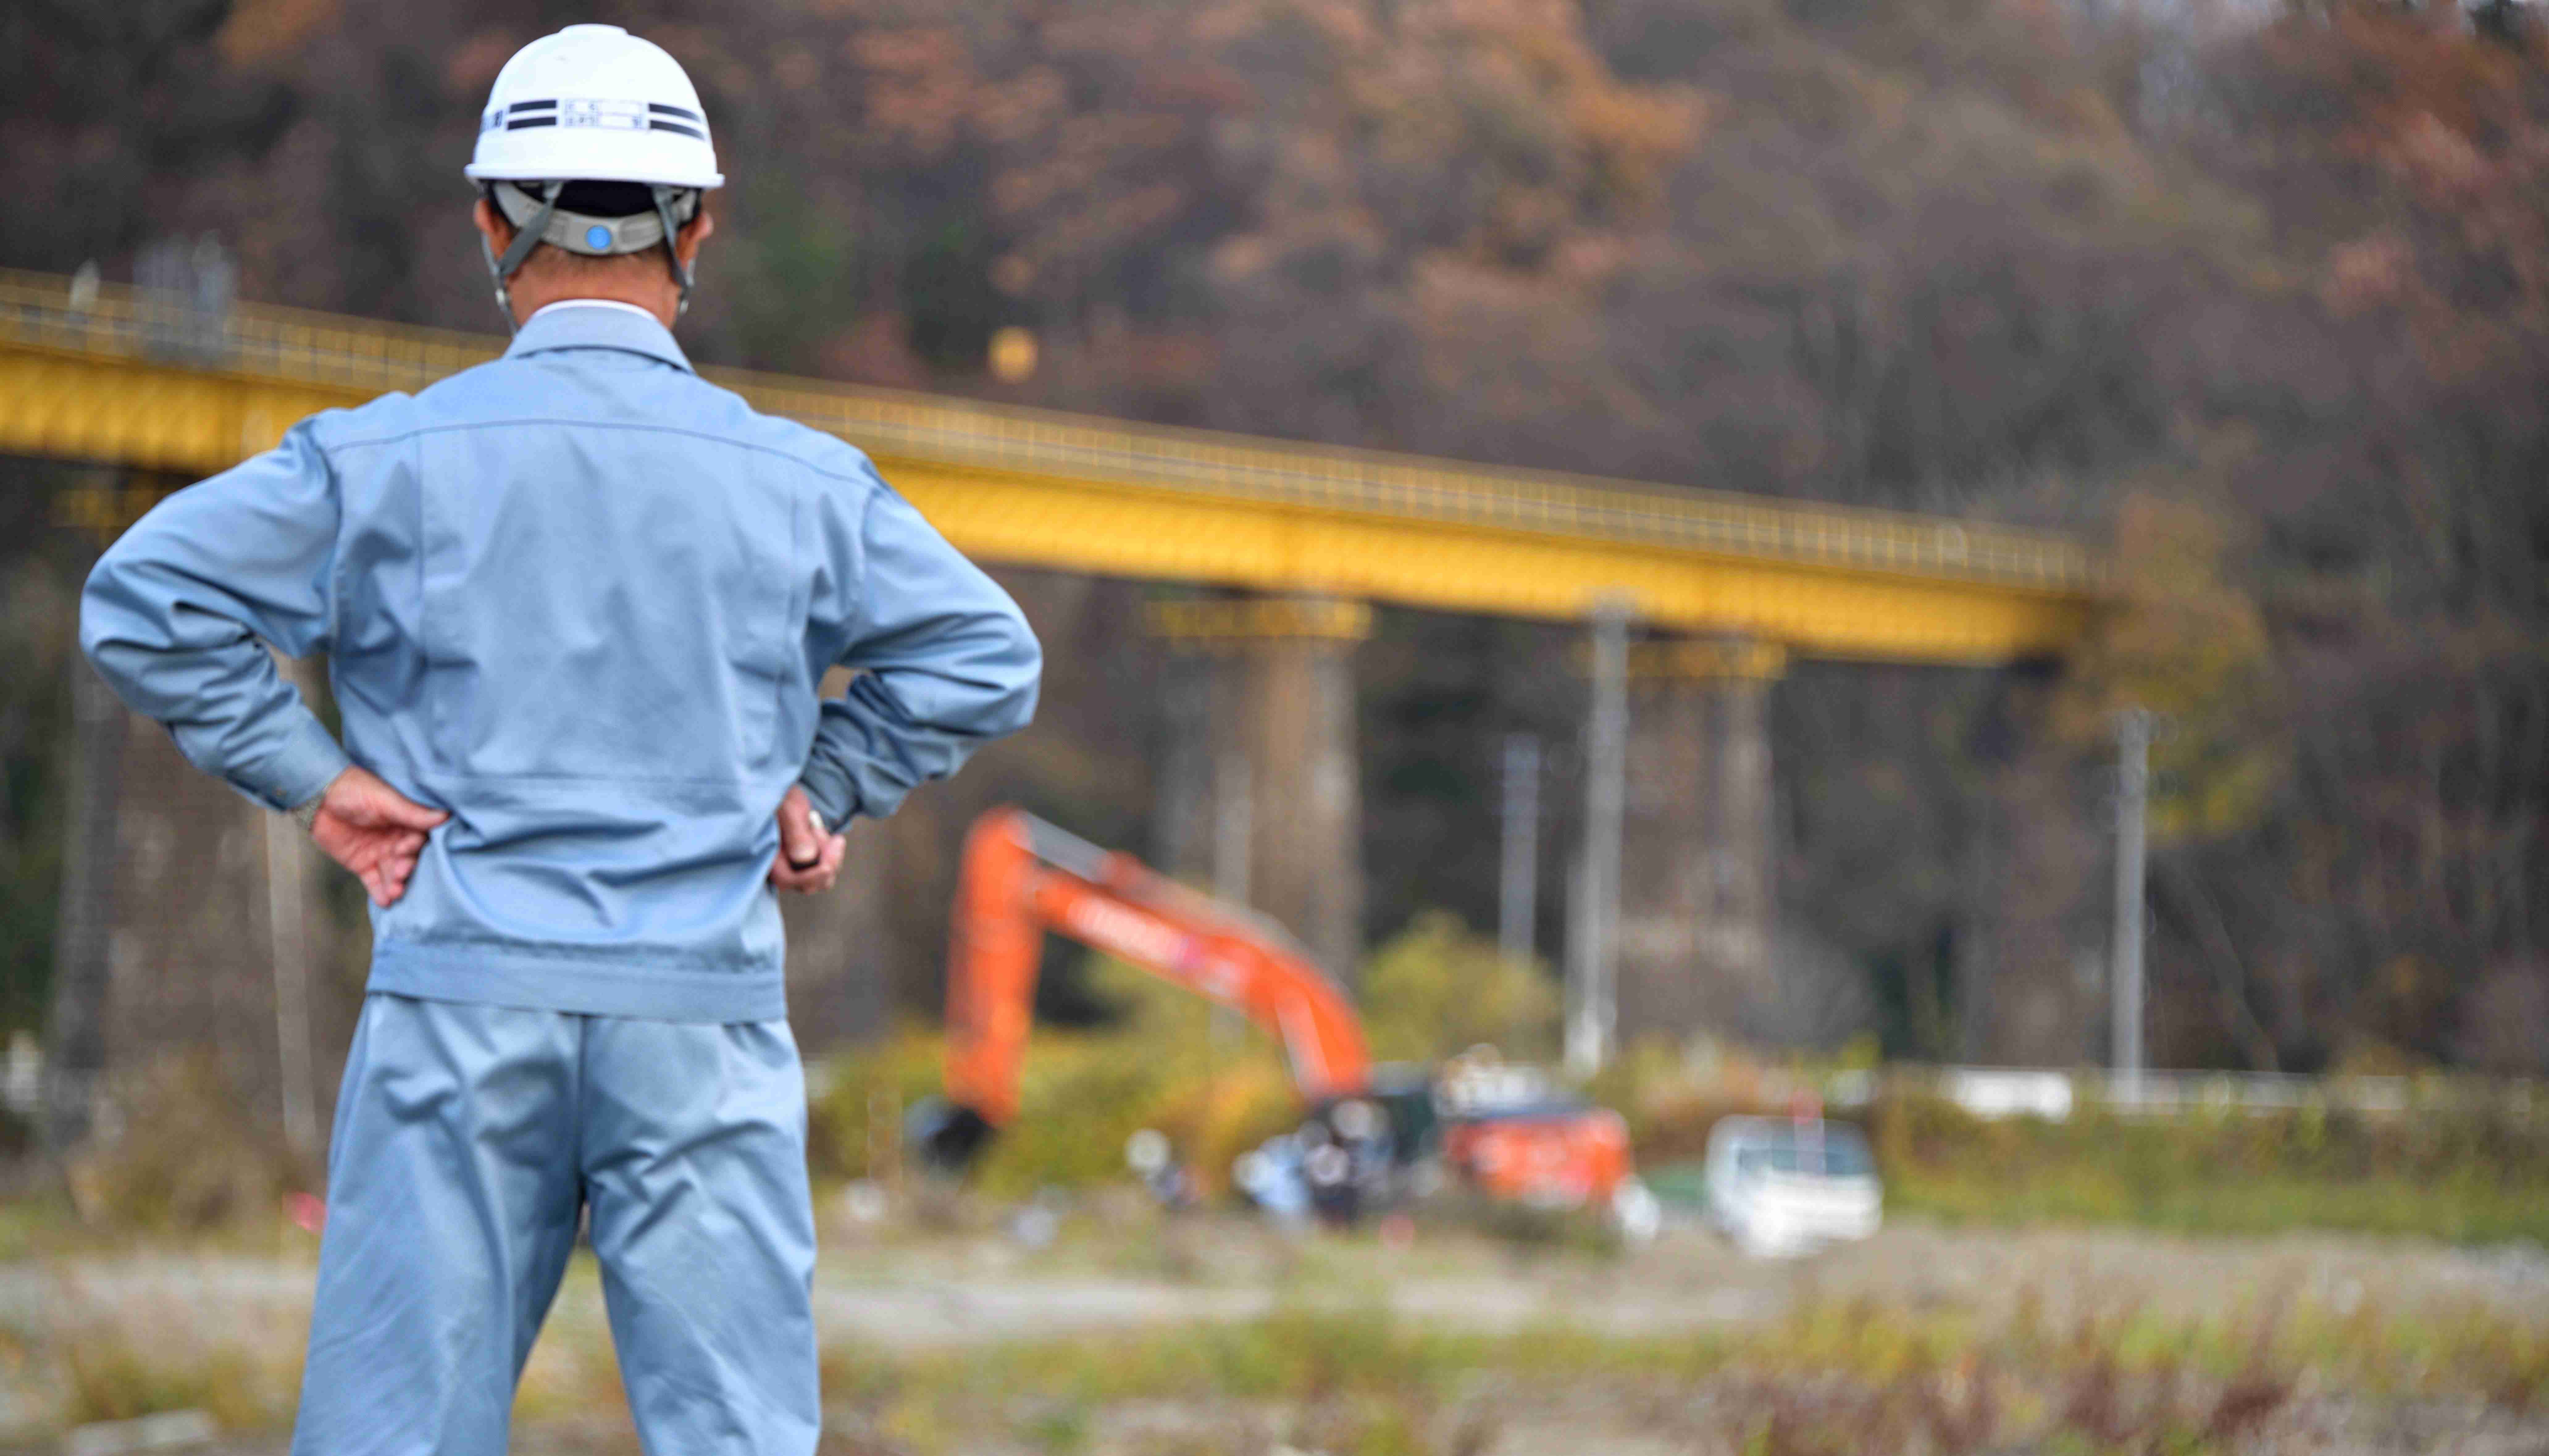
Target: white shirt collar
{"type": "Point", "coordinates": [596, 303]}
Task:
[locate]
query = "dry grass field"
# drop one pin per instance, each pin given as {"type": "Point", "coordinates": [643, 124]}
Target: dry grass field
{"type": "Point", "coordinates": [1133, 1334]}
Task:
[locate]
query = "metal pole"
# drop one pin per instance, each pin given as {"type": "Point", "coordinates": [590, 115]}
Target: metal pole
{"type": "Point", "coordinates": [2132, 798]}
{"type": "Point", "coordinates": [1591, 1010]}
{"type": "Point", "coordinates": [1576, 1051]}
{"type": "Point", "coordinates": [288, 941]}
{"type": "Point", "coordinates": [1234, 824]}
{"type": "Point", "coordinates": [1183, 798]}
{"type": "Point", "coordinates": [75, 1049]}
{"type": "Point", "coordinates": [1517, 898]}
{"type": "Point", "coordinates": [288, 946]}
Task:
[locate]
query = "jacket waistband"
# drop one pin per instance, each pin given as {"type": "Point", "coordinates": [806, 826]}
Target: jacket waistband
{"type": "Point", "coordinates": [496, 975]}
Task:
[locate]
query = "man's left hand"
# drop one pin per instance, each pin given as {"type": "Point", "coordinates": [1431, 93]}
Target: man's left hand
{"type": "Point", "coordinates": [809, 859]}
{"type": "Point", "coordinates": [374, 831]}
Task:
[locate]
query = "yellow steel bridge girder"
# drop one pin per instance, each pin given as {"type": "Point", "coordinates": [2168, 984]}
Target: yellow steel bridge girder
{"type": "Point", "coordinates": [154, 417]}
{"type": "Point", "coordinates": [80, 380]}
{"type": "Point", "coordinates": [1166, 535]}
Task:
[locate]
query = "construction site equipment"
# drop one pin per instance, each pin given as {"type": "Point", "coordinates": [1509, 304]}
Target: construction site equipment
{"type": "Point", "coordinates": [1507, 1135]}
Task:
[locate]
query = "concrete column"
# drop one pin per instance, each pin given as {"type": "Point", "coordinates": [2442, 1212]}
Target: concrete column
{"type": "Point", "coordinates": [1697, 894]}
{"type": "Point", "coordinates": [1280, 773]}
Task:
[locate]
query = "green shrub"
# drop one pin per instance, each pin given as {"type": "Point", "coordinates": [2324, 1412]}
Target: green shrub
{"type": "Point", "coordinates": [1080, 1095]}
{"type": "Point", "coordinates": [188, 1157]}
{"type": "Point", "coordinates": [1437, 990]}
{"type": "Point", "coordinates": [108, 1377]}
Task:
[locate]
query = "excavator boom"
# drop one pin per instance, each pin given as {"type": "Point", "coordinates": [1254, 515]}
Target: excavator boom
{"type": "Point", "coordinates": [1022, 877]}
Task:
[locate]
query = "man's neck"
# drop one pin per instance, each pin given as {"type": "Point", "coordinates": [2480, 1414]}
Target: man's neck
{"type": "Point", "coordinates": [613, 304]}
{"type": "Point", "coordinates": [657, 298]}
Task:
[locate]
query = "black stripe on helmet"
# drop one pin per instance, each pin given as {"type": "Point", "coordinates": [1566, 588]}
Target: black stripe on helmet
{"type": "Point", "coordinates": [684, 111]}
{"type": "Point", "coordinates": [658, 124]}
{"type": "Point", "coordinates": [525, 123]}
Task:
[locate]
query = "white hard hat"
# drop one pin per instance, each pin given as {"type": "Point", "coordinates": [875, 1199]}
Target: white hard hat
{"type": "Point", "coordinates": [592, 104]}
{"type": "Point", "coordinates": [595, 103]}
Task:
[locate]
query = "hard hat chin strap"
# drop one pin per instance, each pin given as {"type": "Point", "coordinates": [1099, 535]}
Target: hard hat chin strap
{"type": "Point", "coordinates": [528, 236]}
{"type": "Point", "coordinates": [672, 244]}
{"type": "Point", "coordinates": [525, 238]}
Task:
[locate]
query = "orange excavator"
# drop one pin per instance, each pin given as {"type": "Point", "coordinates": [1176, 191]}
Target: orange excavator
{"type": "Point", "coordinates": [1022, 877]}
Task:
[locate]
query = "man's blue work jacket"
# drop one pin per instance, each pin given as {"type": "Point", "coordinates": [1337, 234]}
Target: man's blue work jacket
{"type": "Point", "coordinates": [581, 599]}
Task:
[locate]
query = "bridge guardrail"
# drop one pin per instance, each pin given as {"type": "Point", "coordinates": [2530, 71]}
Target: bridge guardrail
{"type": "Point", "coordinates": [303, 347]}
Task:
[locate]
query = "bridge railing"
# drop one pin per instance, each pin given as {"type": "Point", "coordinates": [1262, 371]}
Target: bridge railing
{"type": "Point", "coordinates": [294, 345]}
{"type": "Point", "coordinates": [364, 358]}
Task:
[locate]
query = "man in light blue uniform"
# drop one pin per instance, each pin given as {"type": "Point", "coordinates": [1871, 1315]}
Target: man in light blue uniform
{"type": "Point", "coordinates": [576, 603]}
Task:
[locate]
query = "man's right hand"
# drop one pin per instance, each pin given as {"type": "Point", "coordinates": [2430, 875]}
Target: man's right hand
{"type": "Point", "coordinates": [374, 831]}
{"type": "Point", "coordinates": [809, 859]}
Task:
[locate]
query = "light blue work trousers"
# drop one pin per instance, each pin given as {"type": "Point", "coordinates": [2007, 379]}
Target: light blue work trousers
{"type": "Point", "coordinates": [469, 1139]}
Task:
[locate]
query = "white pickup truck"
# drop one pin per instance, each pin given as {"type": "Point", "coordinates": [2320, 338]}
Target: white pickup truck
{"type": "Point", "coordinates": [1781, 1187]}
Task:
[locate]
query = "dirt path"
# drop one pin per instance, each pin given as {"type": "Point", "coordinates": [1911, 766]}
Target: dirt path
{"type": "Point", "coordinates": [960, 1291]}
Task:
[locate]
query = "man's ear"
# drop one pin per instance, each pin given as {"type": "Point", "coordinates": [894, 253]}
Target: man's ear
{"type": "Point", "coordinates": [492, 225]}
{"type": "Point", "coordinates": [685, 244]}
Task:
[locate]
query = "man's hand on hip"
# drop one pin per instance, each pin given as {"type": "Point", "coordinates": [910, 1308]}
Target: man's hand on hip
{"type": "Point", "coordinates": [374, 831]}
{"type": "Point", "coordinates": [808, 858]}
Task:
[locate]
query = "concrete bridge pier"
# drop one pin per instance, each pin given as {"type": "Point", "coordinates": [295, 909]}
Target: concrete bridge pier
{"type": "Point", "coordinates": [1697, 890]}
{"type": "Point", "coordinates": [1260, 789]}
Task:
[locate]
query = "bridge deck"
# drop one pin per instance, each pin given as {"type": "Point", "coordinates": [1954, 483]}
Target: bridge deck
{"type": "Point", "coordinates": [125, 377]}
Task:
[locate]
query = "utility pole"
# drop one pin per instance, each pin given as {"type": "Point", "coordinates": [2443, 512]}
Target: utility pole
{"type": "Point", "coordinates": [1234, 827]}
{"type": "Point", "coordinates": [1590, 1005]}
{"type": "Point", "coordinates": [1517, 898]}
{"type": "Point", "coordinates": [1181, 834]}
{"type": "Point", "coordinates": [288, 941]}
{"type": "Point", "coordinates": [287, 928]}
{"type": "Point", "coordinates": [76, 1051]}
{"type": "Point", "coordinates": [2133, 802]}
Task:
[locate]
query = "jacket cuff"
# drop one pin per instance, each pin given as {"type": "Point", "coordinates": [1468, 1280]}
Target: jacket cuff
{"type": "Point", "coordinates": [299, 771]}
{"type": "Point", "coordinates": [830, 791]}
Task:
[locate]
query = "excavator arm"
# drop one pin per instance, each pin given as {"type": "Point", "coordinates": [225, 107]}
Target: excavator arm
{"type": "Point", "coordinates": [1022, 877]}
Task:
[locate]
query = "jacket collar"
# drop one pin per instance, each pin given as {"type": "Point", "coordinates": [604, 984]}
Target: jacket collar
{"type": "Point", "coordinates": [574, 328]}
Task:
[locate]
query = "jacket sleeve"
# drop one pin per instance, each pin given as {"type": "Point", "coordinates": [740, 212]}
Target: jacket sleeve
{"type": "Point", "coordinates": [945, 660]}
{"type": "Point", "coordinates": [178, 613]}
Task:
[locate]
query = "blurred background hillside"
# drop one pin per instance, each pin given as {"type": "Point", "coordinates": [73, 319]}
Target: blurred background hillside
{"type": "Point", "coordinates": [2250, 298]}
{"type": "Point", "coordinates": [2257, 294]}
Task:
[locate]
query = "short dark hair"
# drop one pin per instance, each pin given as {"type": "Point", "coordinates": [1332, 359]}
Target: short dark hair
{"type": "Point", "coordinates": [606, 199]}
{"type": "Point", "coordinates": [593, 199]}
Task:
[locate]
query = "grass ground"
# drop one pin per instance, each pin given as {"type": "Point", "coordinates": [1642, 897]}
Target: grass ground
{"type": "Point", "coordinates": [1134, 1335]}
{"type": "Point", "coordinates": [2099, 1285]}
{"type": "Point", "coordinates": [2472, 1166]}
{"type": "Point", "coordinates": [2476, 1213]}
